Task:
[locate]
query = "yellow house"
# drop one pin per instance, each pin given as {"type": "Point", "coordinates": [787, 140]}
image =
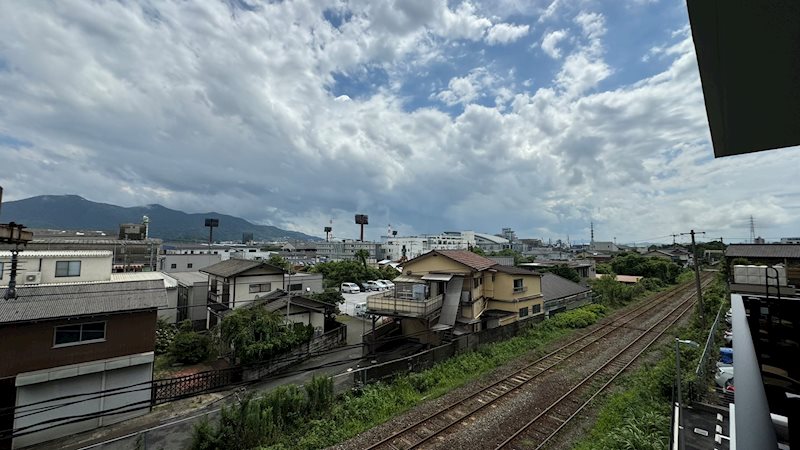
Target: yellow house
{"type": "Point", "coordinates": [458, 291]}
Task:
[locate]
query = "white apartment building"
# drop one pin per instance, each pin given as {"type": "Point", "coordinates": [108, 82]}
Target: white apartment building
{"type": "Point", "coordinates": [396, 247]}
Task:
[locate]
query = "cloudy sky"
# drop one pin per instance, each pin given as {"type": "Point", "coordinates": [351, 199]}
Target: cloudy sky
{"type": "Point", "coordinates": [429, 115]}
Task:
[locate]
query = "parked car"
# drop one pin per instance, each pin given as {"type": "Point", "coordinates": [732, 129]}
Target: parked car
{"type": "Point", "coordinates": [382, 284]}
{"type": "Point", "coordinates": [350, 288]}
{"type": "Point", "coordinates": [724, 376]}
{"type": "Point", "coordinates": [371, 286]}
{"type": "Point", "coordinates": [361, 309]}
{"type": "Point", "coordinates": [728, 337]}
{"type": "Point", "coordinates": [387, 283]}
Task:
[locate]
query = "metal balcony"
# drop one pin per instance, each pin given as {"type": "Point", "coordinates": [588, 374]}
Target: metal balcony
{"type": "Point", "coordinates": [388, 304]}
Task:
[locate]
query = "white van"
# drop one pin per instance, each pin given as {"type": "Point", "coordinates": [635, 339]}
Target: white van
{"type": "Point", "coordinates": [361, 309]}
{"type": "Point", "coordinates": [350, 288]}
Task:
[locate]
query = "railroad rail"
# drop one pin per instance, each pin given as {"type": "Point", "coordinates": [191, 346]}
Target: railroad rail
{"type": "Point", "coordinates": [433, 425]}
{"type": "Point", "coordinates": [548, 424]}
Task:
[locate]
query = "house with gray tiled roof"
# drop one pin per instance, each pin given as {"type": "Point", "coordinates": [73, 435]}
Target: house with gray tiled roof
{"type": "Point", "coordinates": [70, 328]}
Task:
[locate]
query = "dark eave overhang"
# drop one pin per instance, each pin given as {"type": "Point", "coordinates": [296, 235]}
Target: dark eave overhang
{"type": "Point", "coordinates": [748, 53]}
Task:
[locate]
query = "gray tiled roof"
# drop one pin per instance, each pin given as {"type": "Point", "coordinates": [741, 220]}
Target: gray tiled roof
{"type": "Point", "coordinates": [66, 300]}
{"type": "Point", "coordinates": [513, 270]}
{"type": "Point", "coordinates": [555, 287]}
{"type": "Point", "coordinates": [763, 251]}
{"type": "Point", "coordinates": [234, 266]}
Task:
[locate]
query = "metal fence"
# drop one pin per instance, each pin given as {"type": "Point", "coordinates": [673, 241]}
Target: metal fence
{"type": "Point", "coordinates": [705, 388]}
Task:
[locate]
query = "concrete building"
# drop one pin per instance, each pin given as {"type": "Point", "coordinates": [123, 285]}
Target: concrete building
{"type": "Point", "coordinates": [491, 243]}
{"type": "Point", "coordinates": [446, 292]}
{"type": "Point", "coordinates": [397, 247]}
{"type": "Point", "coordinates": [303, 282]}
{"type": "Point", "coordinates": [346, 249]}
{"type": "Point", "coordinates": [603, 247]}
{"type": "Point", "coordinates": [64, 341]}
{"type": "Point", "coordinates": [127, 254]}
{"type": "Point", "coordinates": [188, 262]}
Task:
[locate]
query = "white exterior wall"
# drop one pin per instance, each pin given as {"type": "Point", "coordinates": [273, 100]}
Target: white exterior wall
{"type": "Point", "coordinates": [85, 378]}
{"type": "Point", "coordinates": [183, 260]}
{"type": "Point", "coordinates": [419, 245]}
{"type": "Point", "coordinates": [311, 281]}
{"type": "Point", "coordinates": [242, 286]}
{"type": "Point", "coordinates": [96, 267]}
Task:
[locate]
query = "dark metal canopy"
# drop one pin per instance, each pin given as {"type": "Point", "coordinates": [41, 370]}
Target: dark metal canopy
{"type": "Point", "coordinates": [748, 53]}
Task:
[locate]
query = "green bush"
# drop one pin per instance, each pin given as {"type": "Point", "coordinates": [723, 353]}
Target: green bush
{"type": "Point", "coordinates": [190, 347]}
{"type": "Point", "coordinates": [577, 318]}
{"type": "Point", "coordinates": [165, 334]}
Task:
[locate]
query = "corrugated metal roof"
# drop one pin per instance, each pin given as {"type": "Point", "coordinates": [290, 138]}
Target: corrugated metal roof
{"type": "Point", "coordinates": [189, 278]}
{"type": "Point", "coordinates": [555, 287]}
{"type": "Point", "coordinates": [236, 266]}
{"type": "Point", "coordinates": [69, 300]}
{"type": "Point", "coordinates": [763, 251]}
{"type": "Point", "coordinates": [169, 282]}
{"type": "Point", "coordinates": [93, 241]}
{"type": "Point", "coordinates": [29, 254]}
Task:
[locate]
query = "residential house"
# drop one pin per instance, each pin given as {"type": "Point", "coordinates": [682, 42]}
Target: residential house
{"type": "Point", "coordinates": [128, 254]}
{"type": "Point", "coordinates": [192, 293]}
{"type": "Point", "coordinates": [457, 291]}
{"type": "Point", "coordinates": [68, 339]}
{"type": "Point", "coordinates": [561, 294]}
{"type": "Point", "coordinates": [679, 256]}
{"type": "Point", "coordinates": [304, 282]}
{"type": "Point", "coordinates": [298, 309]}
{"type": "Point", "coordinates": [603, 247]}
{"type": "Point", "coordinates": [787, 255]}
{"type": "Point", "coordinates": [237, 282]}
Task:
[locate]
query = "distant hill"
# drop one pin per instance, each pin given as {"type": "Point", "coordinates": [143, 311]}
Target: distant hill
{"type": "Point", "coordinates": [71, 212]}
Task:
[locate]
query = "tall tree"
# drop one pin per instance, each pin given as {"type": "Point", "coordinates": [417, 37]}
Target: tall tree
{"type": "Point", "coordinates": [362, 255]}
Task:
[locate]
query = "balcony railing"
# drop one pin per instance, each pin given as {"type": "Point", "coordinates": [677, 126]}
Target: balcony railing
{"type": "Point", "coordinates": [520, 289]}
{"type": "Point", "coordinates": [217, 298]}
{"type": "Point", "coordinates": [388, 304]}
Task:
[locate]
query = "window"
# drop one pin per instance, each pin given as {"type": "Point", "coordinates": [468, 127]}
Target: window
{"type": "Point", "coordinates": [518, 287]}
{"type": "Point", "coordinates": [173, 266]}
{"type": "Point", "coordinates": [261, 287]}
{"type": "Point", "coordinates": [523, 312]}
{"type": "Point", "coordinates": [537, 309]}
{"type": "Point", "coordinates": [296, 287]}
{"type": "Point", "coordinates": [83, 333]}
{"type": "Point", "coordinates": [68, 268]}
{"type": "Point", "coordinates": [477, 282]}
{"type": "Point", "coordinates": [189, 266]}
{"type": "Point", "coordinates": [1, 271]}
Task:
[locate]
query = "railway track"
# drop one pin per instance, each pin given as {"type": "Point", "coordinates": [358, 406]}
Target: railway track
{"type": "Point", "coordinates": [540, 430]}
{"type": "Point", "coordinates": [435, 425]}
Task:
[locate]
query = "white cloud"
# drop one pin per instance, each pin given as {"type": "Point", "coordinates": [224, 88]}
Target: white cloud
{"type": "Point", "coordinates": [550, 43]}
{"type": "Point", "coordinates": [504, 33]}
{"type": "Point", "coordinates": [468, 88]}
{"type": "Point", "coordinates": [205, 108]}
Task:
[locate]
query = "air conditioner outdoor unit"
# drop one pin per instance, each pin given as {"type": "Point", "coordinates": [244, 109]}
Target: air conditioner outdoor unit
{"type": "Point", "coordinates": [32, 278]}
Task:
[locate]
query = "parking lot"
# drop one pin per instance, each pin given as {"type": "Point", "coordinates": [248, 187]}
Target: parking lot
{"type": "Point", "coordinates": [351, 300]}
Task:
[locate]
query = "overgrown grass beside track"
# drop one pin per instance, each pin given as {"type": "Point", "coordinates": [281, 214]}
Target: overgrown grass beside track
{"type": "Point", "coordinates": [637, 416]}
{"type": "Point", "coordinates": [355, 412]}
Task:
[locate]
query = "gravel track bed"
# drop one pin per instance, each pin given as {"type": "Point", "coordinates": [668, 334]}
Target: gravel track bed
{"type": "Point", "coordinates": [514, 410]}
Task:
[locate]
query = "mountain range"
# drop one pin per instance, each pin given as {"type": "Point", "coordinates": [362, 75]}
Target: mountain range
{"type": "Point", "coordinates": [72, 212]}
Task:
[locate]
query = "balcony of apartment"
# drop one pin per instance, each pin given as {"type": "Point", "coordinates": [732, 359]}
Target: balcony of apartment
{"type": "Point", "coordinates": [409, 298]}
{"type": "Point", "coordinates": [218, 302]}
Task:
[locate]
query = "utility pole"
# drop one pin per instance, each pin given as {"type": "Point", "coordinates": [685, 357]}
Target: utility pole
{"type": "Point", "coordinates": [697, 276]}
